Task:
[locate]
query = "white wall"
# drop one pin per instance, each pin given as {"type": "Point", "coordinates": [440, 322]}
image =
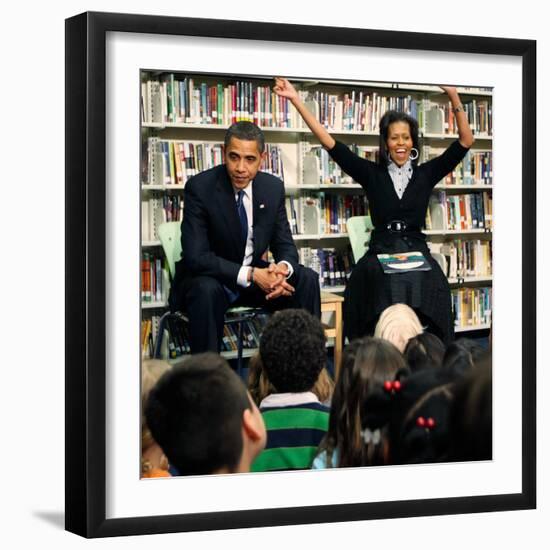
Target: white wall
{"type": "Point", "coordinates": [32, 145]}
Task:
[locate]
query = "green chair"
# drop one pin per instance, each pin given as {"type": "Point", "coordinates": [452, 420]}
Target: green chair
{"type": "Point", "coordinates": [359, 232]}
{"type": "Point", "coordinates": [169, 234]}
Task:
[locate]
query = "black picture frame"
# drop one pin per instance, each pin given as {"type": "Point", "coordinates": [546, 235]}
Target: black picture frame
{"type": "Point", "coordinates": [86, 278]}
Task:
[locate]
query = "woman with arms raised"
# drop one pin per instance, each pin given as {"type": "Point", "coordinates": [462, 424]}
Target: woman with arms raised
{"type": "Point", "coordinates": [398, 191]}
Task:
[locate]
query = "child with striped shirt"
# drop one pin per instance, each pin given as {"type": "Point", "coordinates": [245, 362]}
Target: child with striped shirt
{"type": "Point", "coordinates": [292, 351]}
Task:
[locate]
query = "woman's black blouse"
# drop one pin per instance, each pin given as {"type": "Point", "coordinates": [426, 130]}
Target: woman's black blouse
{"type": "Point", "coordinates": [384, 204]}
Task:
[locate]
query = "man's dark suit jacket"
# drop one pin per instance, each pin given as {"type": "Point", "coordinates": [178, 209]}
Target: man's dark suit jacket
{"type": "Point", "coordinates": [211, 233]}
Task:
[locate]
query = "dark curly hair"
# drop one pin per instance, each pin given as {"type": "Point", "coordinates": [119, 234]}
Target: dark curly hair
{"type": "Point", "coordinates": [292, 349]}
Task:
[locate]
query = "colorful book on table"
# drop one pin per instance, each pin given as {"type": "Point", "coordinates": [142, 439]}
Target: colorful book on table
{"type": "Point", "coordinates": [403, 262]}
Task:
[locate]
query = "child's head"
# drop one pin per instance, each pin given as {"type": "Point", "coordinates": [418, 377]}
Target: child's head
{"type": "Point", "coordinates": [292, 350]}
{"type": "Point", "coordinates": [367, 363]}
{"type": "Point", "coordinates": [471, 419]}
{"type": "Point", "coordinates": [151, 371]}
{"type": "Point", "coordinates": [397, 324]}
{"type": "Point", "coordinates": [425, 350]}
{"type": "Point", "coordinates": [203, 418]}
{"type": "Point", "coordinates": [260, 387]}
{"type": "Point", "coordinates": [461, 356]}
{"type": "Point", "coordinates": [424, 434]}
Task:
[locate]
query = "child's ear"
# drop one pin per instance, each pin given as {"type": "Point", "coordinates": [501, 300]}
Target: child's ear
{"type": "Point", "coordinates": [253, 425]}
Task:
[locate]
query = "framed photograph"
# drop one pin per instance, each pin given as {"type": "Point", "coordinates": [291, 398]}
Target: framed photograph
{"type": "Point", "coordinates": [110, 58]}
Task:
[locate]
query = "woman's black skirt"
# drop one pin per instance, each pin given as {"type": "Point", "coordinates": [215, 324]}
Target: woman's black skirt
{"type": "Point", "coordinates": [369, 291]}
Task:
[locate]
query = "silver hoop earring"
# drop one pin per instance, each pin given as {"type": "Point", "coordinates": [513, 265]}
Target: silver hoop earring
{"type": "Point", "coordinates": [417, 153]}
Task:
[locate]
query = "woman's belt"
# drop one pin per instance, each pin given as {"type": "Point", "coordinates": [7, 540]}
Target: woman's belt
{"type": "Point", "coordinates": [396, 236]}
{"type": "Point", "coordinates": [397, 226]}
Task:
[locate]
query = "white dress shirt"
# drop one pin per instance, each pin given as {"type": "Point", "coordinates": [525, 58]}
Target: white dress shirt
{"type": "Point", "coordinates": [242, 277]}
{"type": "Point", "coordinates": [400, 176]}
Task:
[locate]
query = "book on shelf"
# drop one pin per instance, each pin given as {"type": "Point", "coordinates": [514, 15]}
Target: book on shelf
{"type": "Point", "coordinates": [459, 212]}
{"type": "Point", "coordinates": [480, 116]}
{"type": "Point", "coordinates": [146, 339]}
{"type": "Point", "coordinates": [465, 258]}
{"type": "Point", "coordinates": [291, 214]}
{"type": "Point", "coordinates": [318, 168]}
{"type": "Point", "coordinates": [439, 118]}
{"type": "Point", "coordinates": [471, 306]}
{"type": "Point", "coordinates": [149, 333]}
{"type": "Point", "coordinates": [180, 99]}
{"type": "Point", "coordinates": [157, 210]}
{"type": "Point", "coordinates": [154, 278]}
{"type": "Point", "coordinates": [476, 168]}
{"type": "Point", "coordinates": [333, 266]}
{"type": "Point", "coordinates": [338, 208]}
{"type": "Point", "coordinates": [175, 340]}
{"type": "Point", "coordinates": [355, 109]}
{"type": "Point", "coordinates": [323, 213]}
{"type": "Point", "coordinates": [189, 100]}
{"type": "Point", "coordinates": [173, 162]}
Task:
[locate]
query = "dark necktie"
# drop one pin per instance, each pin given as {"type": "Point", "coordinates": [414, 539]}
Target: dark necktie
{"type": "Point", "coordinates": [242, 215]}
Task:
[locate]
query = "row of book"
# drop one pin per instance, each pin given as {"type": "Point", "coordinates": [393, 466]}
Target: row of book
{"type": "Point", "coordinates": [176, 336]}
{"type": "Point", "coordinates": [465, 258]}
{"type": "Point", "coordinates": [476, 168]}
{"type": "Point", "coordinates": [471, 306]}
{"type": "Point", "coordinates": [170, 162]}
{"type": "Point", "coordinates": [252, 332]}
{"type": "Point", "coordinates": [187, 101]}
{"type": "Point", "coordinates": [323, 213]}
{"type": "Point", "coordinates": [154, 278]}
{"type": "Point", "coordinates": [333, 266]}
{"type": "Point", "coordinates": [159, 209]}
{"type": "Point", "coordinates": [319, 168]}
{"type": "Point", "coordinates": [149, 332]}
{"type": "Point", "coordinates": [361, 111]}
{"type": "Point", "coordinates": [460, 212]}
{"type": "Point", "coordinates": [170, 100]}
{"type": "Point", "coordinates": [356, 110]}
{"type": "Point", "coordinates": [440, 118]}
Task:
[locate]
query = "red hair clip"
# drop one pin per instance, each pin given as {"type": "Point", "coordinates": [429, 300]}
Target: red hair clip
{"type": "Point", "coordinates": [428, 423]}
{"type": "Point", "coordinates": [392, 386]}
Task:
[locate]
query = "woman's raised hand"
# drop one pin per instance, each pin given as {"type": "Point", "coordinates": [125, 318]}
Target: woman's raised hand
{"type": "Point", "coordinates": [284, 88]}
{"type": "Point", "coordinates": [465, 135]}
{"type": "Point", "coordinates": [449, 90]}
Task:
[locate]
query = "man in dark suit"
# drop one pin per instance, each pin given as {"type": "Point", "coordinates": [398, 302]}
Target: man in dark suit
{"type": "Point", "coordinates": [233, 214]}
